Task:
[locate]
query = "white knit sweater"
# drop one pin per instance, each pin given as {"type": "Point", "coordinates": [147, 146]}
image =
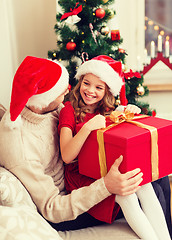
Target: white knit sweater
{"type": "Point", "coordinates": [31, 152]}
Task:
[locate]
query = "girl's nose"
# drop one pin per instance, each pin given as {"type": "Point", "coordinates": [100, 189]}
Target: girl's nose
{"type": "Point", "coordinates": [91, 89]}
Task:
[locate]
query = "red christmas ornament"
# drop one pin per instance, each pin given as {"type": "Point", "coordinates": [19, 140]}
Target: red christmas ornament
{"type": "Point", "coordinates": [153, 113]}
{"type": "Point", "coordinates": [69, 87]}
{"type": "Point", "coordinates": [121, 50]}
{"type": "Point", "coordinates": [70, 46]}
{"type": "Point", "coordinates": [100, 13]}
{"type": "Point", "coordinates": [115, 35]}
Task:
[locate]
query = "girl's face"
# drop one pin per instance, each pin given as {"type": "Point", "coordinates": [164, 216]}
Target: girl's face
{"type": "Point", "coordinates": [92, 89]}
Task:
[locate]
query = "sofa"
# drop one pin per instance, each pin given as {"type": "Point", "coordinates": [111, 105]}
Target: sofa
{"type": "Point", "coordinates": [19, 218]}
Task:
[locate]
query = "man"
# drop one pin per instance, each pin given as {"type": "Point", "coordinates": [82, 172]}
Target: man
{"type": "Point", "coordinates": [29, 148]}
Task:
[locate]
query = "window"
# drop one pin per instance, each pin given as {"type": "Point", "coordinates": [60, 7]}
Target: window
{"type": "Point", "coordinates": [158, 26]}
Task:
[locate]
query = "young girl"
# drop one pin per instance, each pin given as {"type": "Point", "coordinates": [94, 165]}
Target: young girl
{"type": "Point", "coordinates": [100, 79]}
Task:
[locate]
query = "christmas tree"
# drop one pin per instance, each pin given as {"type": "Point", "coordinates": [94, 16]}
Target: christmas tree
{"type": "Point", "coordinates": [83, 33]}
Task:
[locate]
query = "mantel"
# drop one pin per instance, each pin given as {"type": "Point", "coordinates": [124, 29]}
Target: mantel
{"type": "Point", "coordinates": [159, 87]}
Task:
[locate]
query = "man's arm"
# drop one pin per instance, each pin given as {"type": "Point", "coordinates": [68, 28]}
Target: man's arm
{"type": "Point", "coordinates": [57, 208]}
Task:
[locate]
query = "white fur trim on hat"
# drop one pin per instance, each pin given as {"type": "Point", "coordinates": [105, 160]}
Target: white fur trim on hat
{"type": "Point", "coordinates": [44, 99]}
{"type": "Point", "coordinates": [10, 124]}
{"type": "Point", "coordinates": [104, 71]}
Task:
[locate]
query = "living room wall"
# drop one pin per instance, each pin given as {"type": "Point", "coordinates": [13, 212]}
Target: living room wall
{"type": "Point", "coordinates": [27, 28]}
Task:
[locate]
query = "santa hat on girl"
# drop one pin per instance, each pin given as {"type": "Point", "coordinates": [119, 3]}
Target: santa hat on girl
{"type": "Point", "coordinates": [37, 82]}
{"type": "Point", "coordinates": [109, 71]}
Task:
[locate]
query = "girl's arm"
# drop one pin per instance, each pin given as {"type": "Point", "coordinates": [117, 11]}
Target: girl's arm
{"type": "Point", "coordinates": [71, 145]}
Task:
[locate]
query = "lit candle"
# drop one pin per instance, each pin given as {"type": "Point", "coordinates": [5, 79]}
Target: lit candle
{"type": "Point", "coordinates": [152, 49]}
{"type": "Point", "coordinates": [159, 43]}
{"type": "Point", "coordinates": [167, 49]}
{"type": "Point", "coordinates": [145, 56]}
{"type": "Point", "coordinates": [170, 59]}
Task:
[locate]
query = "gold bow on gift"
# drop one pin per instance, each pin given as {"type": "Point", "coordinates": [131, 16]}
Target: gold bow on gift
{"type": "Point", "coordinates": [117, 117]}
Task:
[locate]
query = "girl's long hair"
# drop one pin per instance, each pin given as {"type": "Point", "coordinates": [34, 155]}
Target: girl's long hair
{"type": "Point", "coordinates": [104, 107]}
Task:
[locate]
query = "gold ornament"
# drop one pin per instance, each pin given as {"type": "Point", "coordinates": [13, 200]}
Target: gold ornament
{"type": "Point", "coordinates": [111, 14]}
{"type": "Point", "coordinates": [54, 54]}
{"type": "Point", "coordinates": [83, 41]}
{"type": "Point", "coordinates": [117, 101]}
{"type": "Point", "coordinates": [105, 1]}
{"type": "Point", "coordinates": [104, 30]}
{"type": "Point", "coordinates": [140, 90]}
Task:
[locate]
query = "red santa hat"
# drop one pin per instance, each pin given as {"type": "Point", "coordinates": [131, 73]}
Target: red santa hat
{"type": "Point", "coordinates": [37, 82]}
{"type": "Point", "coordinates": [108, 70]}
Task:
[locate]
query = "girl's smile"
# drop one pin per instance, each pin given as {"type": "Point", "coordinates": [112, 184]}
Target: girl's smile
{"type": "Point", "coordinates": [92, 89]}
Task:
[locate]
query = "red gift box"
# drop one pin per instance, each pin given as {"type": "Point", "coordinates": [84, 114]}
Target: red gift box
{"type": "Point", "coordinates": [134, 143]}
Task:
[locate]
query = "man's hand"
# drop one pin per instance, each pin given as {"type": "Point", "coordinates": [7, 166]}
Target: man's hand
{"type": "Point", "coordinates": [122, 184]}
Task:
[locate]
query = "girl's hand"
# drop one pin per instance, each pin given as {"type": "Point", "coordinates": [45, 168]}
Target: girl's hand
{"type": "Point", "coordinates": [96, 122]}
{"type": "Point", "coordinates": [133, 109]}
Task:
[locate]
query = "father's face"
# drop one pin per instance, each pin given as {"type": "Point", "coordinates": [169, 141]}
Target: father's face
{"type": "Point", "coordinates": [54, 105]}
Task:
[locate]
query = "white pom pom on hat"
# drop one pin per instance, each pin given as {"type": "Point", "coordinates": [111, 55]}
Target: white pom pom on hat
{"type": "Point", "coordinates": [107, 69]}
{"type": "Point", "coordinates": [37, 82]}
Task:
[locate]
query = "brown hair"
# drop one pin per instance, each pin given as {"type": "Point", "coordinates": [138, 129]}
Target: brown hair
{"type": "Point", "coordinates": [105, 106]}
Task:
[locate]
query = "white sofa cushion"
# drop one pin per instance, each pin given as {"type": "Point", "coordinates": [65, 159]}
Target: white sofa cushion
{"type": "Point", "coordinates": [12, 191]}
{"type": "Point", "coordinates": [24, 223]}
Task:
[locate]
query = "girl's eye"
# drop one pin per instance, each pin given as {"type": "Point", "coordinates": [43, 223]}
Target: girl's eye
{"type": "Point", "coordinates": [86, 83]}
{"type": "Point", "coordinates": [99, 88]}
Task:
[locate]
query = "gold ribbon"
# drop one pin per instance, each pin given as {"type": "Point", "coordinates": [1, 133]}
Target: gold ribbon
{"type": "Point", "coordinates": [119, 117]}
